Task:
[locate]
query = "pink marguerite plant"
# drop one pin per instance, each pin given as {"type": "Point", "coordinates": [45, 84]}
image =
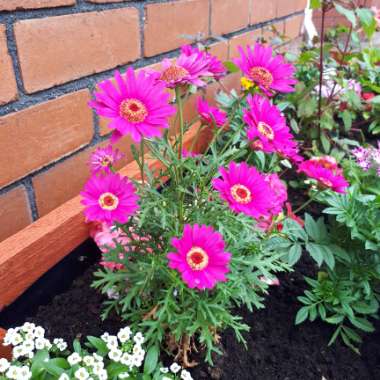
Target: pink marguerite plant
{"type": "Point", "coordinates": [210, 115]}
{"type": "Point", "coordinates": [103, 159]}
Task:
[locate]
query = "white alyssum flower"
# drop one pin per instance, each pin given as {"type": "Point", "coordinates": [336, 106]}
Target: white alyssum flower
{"type": "Point", "coordinates": [115, 355]}
{"type": "Point", "coordinates": [18, 351]}
{"type": "Point", "coordinates": [64, 377]}
{"type": "Point", "coordinates": [81, 374]}
{"type": "Point", "coordinates": [12, 372]}
{"type": "Point", "coordinates": [105, 337]}
{"type": "Point", "coordinates": [126, 359]}
{"type": "Point", "coordinates": [112, 342]}
{"type": "Point", "coordinates": [139, 338]}
{"type": "Point", "coordinates": [97, 357]}
{"type": "Point", "coordinates": [124, 375]}
{"type": "Point", "coordinates": [113, 293]}
{"type": "Point", "coordinates": [185, 375]}
{"type": "Point", "coordinates": [97, 368]}
{"type": "Point", "coordinates": [175, 368]}
{"type": "Point", "coordinates": [28, 327]}
{"type": "Point", "coordinates": [164, 370]}
{"type": "Point", "coordinates": [24, 373]}
{"type": "Point", "coordinates": [74, 358]}
{"type": "Point", "coordinates": [16, 339]}
{"type": "Point", "coordinates": [89, 360]}
{"type": "Point", "coordinates": [103, 375]}
{"type": "Point", "coordinates": [60, 343]}
{"type": "Point", "coordinates": [29, 336]}
{"type": "Point", "coordinates": [42, 343]}
{"type": "Point", "coordinates": [124, 334]}
{"type": "Point", "coordinates": [4, 365]}
{"type": "Point", "coordinates": [28, 346]}
{"type": "Point", "coordinates": [167, 378]}
{"type": "Point", "coordinates": [39, 332]}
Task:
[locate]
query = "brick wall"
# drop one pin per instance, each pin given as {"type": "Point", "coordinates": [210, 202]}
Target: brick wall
{"type": "Point", "coordinates": [52, 54]}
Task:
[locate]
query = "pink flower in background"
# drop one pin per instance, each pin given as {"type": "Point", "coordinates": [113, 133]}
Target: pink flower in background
{"type": "Point", "coordinates": [280, 192]}
{"type": "Point", "coordinates": [376, 12]}
{"type": "Point", "coordinates": [201, 257]}
{"type": "Point", "coordinates": [245, 190]}
{"type": "Point", "coordinates": [109, 199]}
{"type": "Point", "coordinates": [209, 114]}
{"type": "Point", "coordinates": [325, 172]}
{"type": "Point", "coordinates": [185, 70]}
{"type": "Point", "coordinates": [267, 72]}
{"type": "Point", "coordinates": [137, 105]}
{"type": "Point", "coordinates": [102, 159]}
{"type": "Point", "coordinates": [188, 154]}
{"type": "Point", "coordinates": [214, 65]}
{"type": "Point", "coordinates": [268, 129]}
{"type": "Point", "coordinates": [270, 281]}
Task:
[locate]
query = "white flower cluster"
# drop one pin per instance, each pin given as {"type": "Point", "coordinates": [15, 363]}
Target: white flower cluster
{"type": "Point", "coordinates": [125, 348]}
{"type": "Point", "coordinates": [29, 338]}
{"type": "Point", "coordinates": [173, 371]}
{"type": "Point", "coordinates": [13, 371]}
{"type": "Point", "coordinates": [88, 367]}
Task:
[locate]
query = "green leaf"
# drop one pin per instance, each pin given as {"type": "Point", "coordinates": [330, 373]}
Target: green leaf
{"type": "Point", "coordinates": [376, 100]}
{"type": "Point", "coordinates": [294, 254]}
{"type": "Point", "coordinates": [350, 15]}
{"type": "Point", "coordinates": [335, 319]}
{"type": "Point", "coordinates": [325, 143]}
{"type": "Point", "coordinates": [315, 4]}
{"type": "Point", "coordinates": [77, 347]}
{"type": "Point", "coordinates": [302, 315]}
{"type": "Point", "coordinates": [362, 324]}
{"type": "Point", "coordinates": [99, 344]}
{"type": "Point", "coordinates": [367, 21]}
{"type": "Point", "coordinates": [347, 120]}
{"type": "Point", "coordinates": [315, 252]}
{"type": "Point", "coordinates": [231, 67]}
{"type": "Point", "coordinates": [151, 359]}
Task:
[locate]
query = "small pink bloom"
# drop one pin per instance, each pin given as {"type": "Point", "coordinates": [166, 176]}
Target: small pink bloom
{"type": "Point", "coordinates": [109, 199]}
{"type": "Point", "coordinates": [201, 257]}
{"type": "Point", "coordinates": [267, 128]}
{"type": "Point", "coordinates": [214, 65]}
{"type": "Point", "coordinates": [270, 74]}
{"type": "Point", "coordinates": [245, 190]}
{"type": "Point", "coordinates": [188, 154]}
{"type": "Point", "coordinates": [280, 192]}
{"type": "Point", "coordinates": [292, 215]}
{"type": "Point", "coordinates": [138, 105]}
{"type": "Point", "coordinates": [210, 115]}
{"type": "Point", "coordinates": [102, 159]}
{"type": "Point", "coordinates": [271, 282]}
{"type": "Point", "coordinates": [326, 172]}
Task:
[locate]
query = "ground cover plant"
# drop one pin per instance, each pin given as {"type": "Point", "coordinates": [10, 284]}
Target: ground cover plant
{"type": "Point", "coordinates": [291, 168]}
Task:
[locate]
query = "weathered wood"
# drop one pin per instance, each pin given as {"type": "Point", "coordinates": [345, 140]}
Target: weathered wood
{"type": "Point", "coordinates": [5, 351]}
{"type": "Point", "coordinates": [28, 254]}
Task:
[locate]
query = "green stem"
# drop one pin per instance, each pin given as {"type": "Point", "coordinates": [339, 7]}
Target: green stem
{"type": "Point", "coordinates": [142, 149]}
{"type": "Point", "coordinates": [310, 200]}
{"type": "Point", "coordinates": [180, 193]}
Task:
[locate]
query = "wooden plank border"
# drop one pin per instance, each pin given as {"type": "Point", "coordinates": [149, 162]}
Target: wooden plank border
{"type": "Point", "coordinates": [28, 254]}
{"type": "Point", "coordinates": [5, 351]}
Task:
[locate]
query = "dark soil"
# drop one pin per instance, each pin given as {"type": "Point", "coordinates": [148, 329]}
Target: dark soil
{"type": "Point", "coordinates": [276, 348]}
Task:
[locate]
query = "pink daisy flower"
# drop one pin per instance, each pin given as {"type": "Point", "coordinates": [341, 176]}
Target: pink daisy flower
{"type": "Point", "coordinates": [102, 159]}
{"type": "Point", "coordinates": [186, 70]}
{"type": "Point", "coordinates": [268, 72]}
{"type": "Point", "coordinates": [279, 191]}
{"type": "Point", "coordinates": [214, 65]}
{"type": "Point", "coordinates": [201, 257]}
{"type": "Point", "coordinates": [137, 105]}
{"type": "Point", "coordinates": [210, 115]}
{"type": "Point", "coordinates": [245, 190]}
{"type": "Point", "coordinates": [326, 172]}
{"type": "Point", "coordinates": [109, 199]}
{"type": "Point", "coordinates": [267, 128]}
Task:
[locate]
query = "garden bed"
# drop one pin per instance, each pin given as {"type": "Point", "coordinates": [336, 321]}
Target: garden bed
{"type": "Point", "coordinates": [278, 349]}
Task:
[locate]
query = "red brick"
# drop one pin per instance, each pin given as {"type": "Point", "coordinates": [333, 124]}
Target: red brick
{"type": "Point", "coordinates": [244, 39]}
{"type": "Point", "coordinates": [66, 179]}
{"type": "Point", "coordinates": [228, 16]}
{"type": "Point", "coordinates": [11, 5]}
{"type": "Point", "coordinates": [293, 27]}
{"type": "Point", "coordinates": [38, 135]}
{"type": "Point", "coordinates": [14, 212]}
{"type": "Point", "coordinates": [166, 23]}
{"type": "Point", "coordinates": [220, 50]}
{"type": "Point", "coordinates": [8, 88]}
{"type": "Point", "coordinates": [286, 7]}
{"type": "Point", "coordinates": [273, 32]}
{"type": "Point", "coordinates": [105, 1]}
{"type": "Point", "coordinates": [262, 10]}
{"type": "Point", "coordinates": [59, 49]}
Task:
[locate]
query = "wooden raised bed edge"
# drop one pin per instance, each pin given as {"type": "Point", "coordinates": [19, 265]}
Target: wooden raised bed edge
{"type": "Point", "coordinates": [5, 351]}
{"type": "Point", "coordinates": [28, 254]}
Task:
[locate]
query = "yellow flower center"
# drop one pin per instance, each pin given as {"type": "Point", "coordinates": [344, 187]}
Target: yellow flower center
{"type": "Point", "coordinates": [173, 73]}
{"type": "Point", "coordinates": [106, 161]}
{"type": "Point", "coordinates": [197, 258]}
{"type": "Point", "coordinates": [108, 201]}
{"type": "Point", "coordinates": [265, 130]}
{"type": "Point", "coordinates": [246, 83]}
{"type": "Point", "coordinates": [241, 194]}
{"type": "Point", "coordinates": [133, 110]}
{"type": "Point", "coordinates": [262, 76]}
